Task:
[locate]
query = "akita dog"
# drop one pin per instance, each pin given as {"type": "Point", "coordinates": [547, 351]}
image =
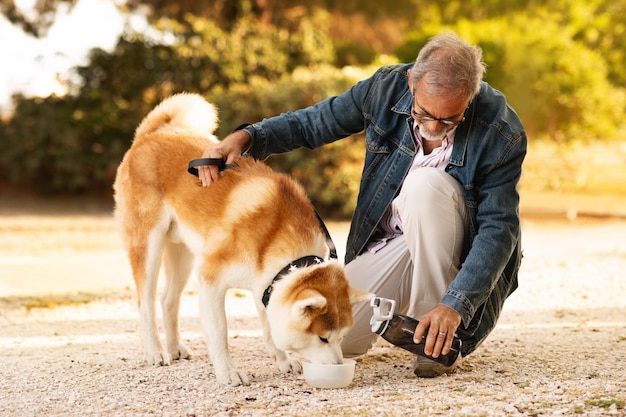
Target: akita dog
{"type": "Point", "coordinates": [252, 229]}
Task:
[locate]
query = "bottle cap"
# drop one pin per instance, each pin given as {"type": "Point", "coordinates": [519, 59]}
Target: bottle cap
{"type": "Point", "coordinates": [382, 312]}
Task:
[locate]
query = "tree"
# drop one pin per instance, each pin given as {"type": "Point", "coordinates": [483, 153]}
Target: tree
{"type": "Point", "coordinates": [560, 87]}
{"type": "Point", "coordinates": [38, 22]}
{"type": "Point", "coordinates": [74, 143]}
{"type": "Point", "coordinates": [560, 63]}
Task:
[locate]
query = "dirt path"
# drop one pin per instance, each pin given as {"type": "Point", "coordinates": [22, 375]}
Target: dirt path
{"type": "Point", "coordinates": [558, 349]}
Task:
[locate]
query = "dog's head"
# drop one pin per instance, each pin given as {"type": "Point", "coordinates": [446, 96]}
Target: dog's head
{"type": "Point", "coordinates": [310, 312]}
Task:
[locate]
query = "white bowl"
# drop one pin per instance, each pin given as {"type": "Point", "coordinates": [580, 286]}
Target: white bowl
{"type": "Point", "coordinates": [329, 375]}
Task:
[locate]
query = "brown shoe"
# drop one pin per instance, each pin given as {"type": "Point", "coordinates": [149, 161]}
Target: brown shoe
{"type": "Point", "coordinates": [428, 368]}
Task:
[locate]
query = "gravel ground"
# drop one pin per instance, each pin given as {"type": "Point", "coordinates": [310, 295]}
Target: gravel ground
{"type": "Point", "coordinates": [69, 342]}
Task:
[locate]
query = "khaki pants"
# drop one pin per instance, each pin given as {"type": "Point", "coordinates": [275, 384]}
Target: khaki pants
{"type": "Point", "coordinates": [415, 268]}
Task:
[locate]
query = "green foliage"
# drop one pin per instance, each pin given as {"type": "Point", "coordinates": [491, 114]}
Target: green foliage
{"type": "Point", "coordinates": [55, 146]}
{"type": "Point", "coordinates": [330, 175]}
{"type": "Point", "coordinates": [249, 48]}
{"type": "Point", "coordinates": [74, 143]}
{"type": "Point", "coordinates": [559, 85]}
{"type": "Point", "coordinates": [38, 23]}
{"type": "Point", "coordinates": [259, 97]}
{"type": "Point", "coordinates": [598, 25]}
{"type": "Point", "coordinates": [559, 62]}
{"type": "Point", "coordinates": [606, 403]}
{"type": "Point", "coordinates": [353, 53]}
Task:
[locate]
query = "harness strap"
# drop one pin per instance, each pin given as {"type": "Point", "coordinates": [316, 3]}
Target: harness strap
{"type": "Point", "coordinates": [329, 240]}
{"type": "Point", "coordinates": [298, 263]}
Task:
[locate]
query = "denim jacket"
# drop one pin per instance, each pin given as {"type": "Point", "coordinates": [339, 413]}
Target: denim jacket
{"type": "Point", "coordinates": [489, 147]}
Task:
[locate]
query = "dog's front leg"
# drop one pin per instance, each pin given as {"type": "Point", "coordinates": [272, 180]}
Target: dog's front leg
{"type": "Point", "coordinates": [283, 361]}
{"type": "Point", "coordinates": [214, 327]}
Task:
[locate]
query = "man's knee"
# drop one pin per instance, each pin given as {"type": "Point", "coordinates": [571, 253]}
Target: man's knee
{"type": "Point", "coordinates": [430, 183]}
{"type": "Point", "coordinates": [426, 189]}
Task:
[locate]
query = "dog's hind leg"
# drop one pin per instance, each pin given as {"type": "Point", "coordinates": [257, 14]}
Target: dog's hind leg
{"type": "Point", "coordinates": [178, 265]}
{"type": "Point", "coordinates": [145, 260]}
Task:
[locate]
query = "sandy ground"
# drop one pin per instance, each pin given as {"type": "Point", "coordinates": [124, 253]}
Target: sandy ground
{"type": "Point", "coordinates": [69, 344]}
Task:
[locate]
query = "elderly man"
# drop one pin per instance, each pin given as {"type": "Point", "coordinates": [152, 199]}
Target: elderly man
{"type": "Point", "coordinates": [436, 226]}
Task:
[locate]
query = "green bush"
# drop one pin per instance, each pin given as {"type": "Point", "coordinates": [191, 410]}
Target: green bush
{"type": "Point", "coordinates": [559, 63]}
{"type": "Point", "coordinates": [74, 143]}
{"type": "Point", "coordinates": [557, 83]}
{"type": "Point", "coordinates": [330, 175]}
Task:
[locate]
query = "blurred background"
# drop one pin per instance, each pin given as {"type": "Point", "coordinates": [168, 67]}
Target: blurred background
{"type": "Point", "coordinates": [79, 75]}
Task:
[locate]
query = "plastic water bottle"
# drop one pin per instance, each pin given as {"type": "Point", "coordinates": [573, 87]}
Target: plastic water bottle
{"type": "Point", "coordinates": [398, 330]}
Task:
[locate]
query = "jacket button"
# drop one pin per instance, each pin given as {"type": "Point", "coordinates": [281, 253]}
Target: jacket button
{"type": "Point", "coordinates": [393, 186]}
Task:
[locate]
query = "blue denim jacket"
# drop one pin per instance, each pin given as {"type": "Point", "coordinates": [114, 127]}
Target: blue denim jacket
{"type": "Point", "coordinates": [489, 147]}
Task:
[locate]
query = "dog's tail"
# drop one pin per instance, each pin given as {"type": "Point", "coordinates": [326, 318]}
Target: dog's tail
{"type": "Point", "coordinates": [181, 113]}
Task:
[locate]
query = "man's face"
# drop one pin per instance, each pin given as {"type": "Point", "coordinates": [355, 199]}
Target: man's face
{"type": "Point", "coordinates": [436, 115]}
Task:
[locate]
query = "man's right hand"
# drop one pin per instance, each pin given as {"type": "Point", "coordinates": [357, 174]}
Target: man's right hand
{"type": "Point", "coordinates": [229, 149]}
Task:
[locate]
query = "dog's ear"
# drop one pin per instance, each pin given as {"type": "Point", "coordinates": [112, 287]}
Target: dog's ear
{"type": "Point", "coordinates": [308, 301]}
{"type": "Point", "coordinates": [358, 296]}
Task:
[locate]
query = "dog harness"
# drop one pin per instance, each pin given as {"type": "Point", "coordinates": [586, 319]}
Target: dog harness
{"type": "Point", "coordinates": [298, 263]}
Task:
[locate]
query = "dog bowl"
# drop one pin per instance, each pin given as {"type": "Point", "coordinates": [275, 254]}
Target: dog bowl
{"type": "Point", "coordinates": [321, 375]}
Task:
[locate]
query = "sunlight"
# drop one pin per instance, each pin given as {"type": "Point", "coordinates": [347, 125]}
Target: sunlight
{"type": "Point", "coordinates": [40, 67]}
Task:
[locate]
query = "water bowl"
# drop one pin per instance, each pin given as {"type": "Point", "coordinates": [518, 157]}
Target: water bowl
{"type": "Point", "coordinates": [321, 375]}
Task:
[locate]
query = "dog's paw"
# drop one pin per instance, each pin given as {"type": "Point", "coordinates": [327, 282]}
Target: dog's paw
{"type": "Point", "coordinates": [181, 352]}
{"type": "Point", "coordinates": [289, 365]}
{"type": "Point", "coordinates": [233, 377]}
{"type": "Point", "coordinates": [158, 358]}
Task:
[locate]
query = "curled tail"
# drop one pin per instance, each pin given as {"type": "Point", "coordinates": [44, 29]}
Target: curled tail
{"type": "Point", "coordinates": [181, 113]}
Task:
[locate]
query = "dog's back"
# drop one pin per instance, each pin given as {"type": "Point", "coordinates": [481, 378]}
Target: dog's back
{"type": "Point", "coordinates": [253, 214]}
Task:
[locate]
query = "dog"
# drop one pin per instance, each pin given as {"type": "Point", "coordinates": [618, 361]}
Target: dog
{"type": "Point", "coordinates": [240, 232]}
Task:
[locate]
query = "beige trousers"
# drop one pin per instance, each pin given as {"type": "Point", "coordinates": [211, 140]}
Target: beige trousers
{"type": "Point", "coordinates": [415, 268]}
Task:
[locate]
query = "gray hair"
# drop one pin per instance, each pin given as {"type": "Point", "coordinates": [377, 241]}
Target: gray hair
{"type": "Point", "coordinates": [453, 66]}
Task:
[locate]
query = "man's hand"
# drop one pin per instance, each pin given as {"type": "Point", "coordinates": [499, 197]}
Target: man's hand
{"type": "Point", "coordinates": [441, 323]}
{"type": "Point", "coordinates": [228, 149]}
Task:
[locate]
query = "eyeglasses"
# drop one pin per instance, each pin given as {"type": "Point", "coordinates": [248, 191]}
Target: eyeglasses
{"type": "Point", "coordinates": [429, 118]}
{"type": "Point", "coordinates": [425, 117]}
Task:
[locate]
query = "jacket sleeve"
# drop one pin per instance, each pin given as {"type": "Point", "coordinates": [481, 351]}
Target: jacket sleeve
{"type": "Point", "coordinates": [325, 122]}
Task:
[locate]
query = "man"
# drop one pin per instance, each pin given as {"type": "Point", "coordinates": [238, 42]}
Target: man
{"type": "Point", "coordinates": [436, 226]}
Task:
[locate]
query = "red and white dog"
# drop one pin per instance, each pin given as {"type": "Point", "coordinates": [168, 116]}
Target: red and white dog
{"type": "Point", "coordinates": [240, 232]}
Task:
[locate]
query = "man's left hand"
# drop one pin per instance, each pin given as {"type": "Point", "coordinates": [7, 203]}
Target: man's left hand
{"type": "Point", "coordinates": [439, 326]}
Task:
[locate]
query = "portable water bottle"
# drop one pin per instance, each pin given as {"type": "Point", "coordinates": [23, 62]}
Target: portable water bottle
{"type": "Point", "coordinates": [398, 330]}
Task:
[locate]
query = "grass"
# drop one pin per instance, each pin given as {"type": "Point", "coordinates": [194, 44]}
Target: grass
{"type": "Point", "coordinates": [48, 302]}
{"type": "Point", "coordinates": [605, 403]}
{"type": "Point", "coordinates": [51, 301]}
